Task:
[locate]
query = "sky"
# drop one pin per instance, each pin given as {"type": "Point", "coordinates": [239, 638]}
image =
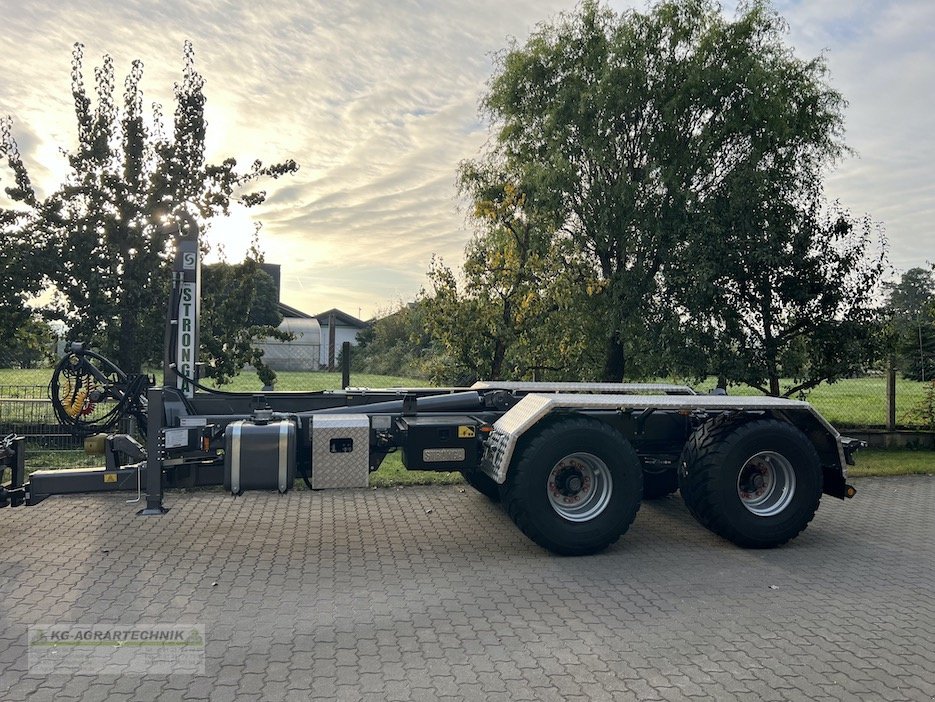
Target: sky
{"type": "Point", "coordinates": [378, 103]}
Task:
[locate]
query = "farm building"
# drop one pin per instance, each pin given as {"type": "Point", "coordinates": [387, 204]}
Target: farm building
{"type": "Point", "coordinates": [317, 343]}
{"type": "Point", "coordinates": [303, 352]}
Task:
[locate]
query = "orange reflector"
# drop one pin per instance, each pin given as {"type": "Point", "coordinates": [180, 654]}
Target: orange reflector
{"type": "Point", "coordinates": [486, 429]}
{"type": "Point", "coordinates": [851, 491]}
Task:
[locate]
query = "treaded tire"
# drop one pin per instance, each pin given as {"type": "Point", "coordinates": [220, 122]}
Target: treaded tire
{"type": "Point", "coordinates": [483, 483]}
{"type": "Point", "coordinates": [526, 493]}
{"type": "Point", "coordinates": [658, 484]}
{"type": "Point", "coordinates": [710, 473]}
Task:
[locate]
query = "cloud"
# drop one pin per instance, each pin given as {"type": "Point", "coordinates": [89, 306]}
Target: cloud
{"type": "Point", "coordinates": [378, 103]}
{"type": "Point", "coordinates": [881, 57]}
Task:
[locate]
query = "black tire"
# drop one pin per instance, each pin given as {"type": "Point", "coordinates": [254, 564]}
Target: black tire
{"type": "Point", "coordinates": [660, 483]}
{"type": "Point", "coordinates": [756, 483]}
{"type": "Point", "coordinates": [574, 452]}
{"type": "Point", "coordinates": [482, 482]}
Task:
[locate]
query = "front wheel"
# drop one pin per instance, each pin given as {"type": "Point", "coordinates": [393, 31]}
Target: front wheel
{"type": "Point", "coordinates": [756, 483]}
{"type": "Point", "coordinates": [575, 488]}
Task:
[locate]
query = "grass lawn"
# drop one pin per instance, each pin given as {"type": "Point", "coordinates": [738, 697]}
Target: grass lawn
{"type": "Point", "coordinates": [11, 378]}
{"type": "Point", "coordinates": [393, 474]}
{"type": "Point", "coordinates": [321, 380]}
{"type": "Point", "coordinates": [893, 462]}
{"type": "Point", "coordinates": [23, 397]}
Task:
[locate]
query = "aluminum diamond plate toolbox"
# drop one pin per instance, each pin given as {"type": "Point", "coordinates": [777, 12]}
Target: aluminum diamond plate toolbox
{"type": "Point", "coordinates": [340, 451]}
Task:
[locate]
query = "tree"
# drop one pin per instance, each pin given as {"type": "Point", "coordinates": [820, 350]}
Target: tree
{"type": "Point", "coordinates": [521, 288]}
{"type": "Point", "coordinates": [242, 308]}
{"type": "Point", "coordinates": [782, 289]}
{"type": "Point", "coordinates": [624, 129]}
{"type": "Point", "coordinates": [103, 227]}
{"type": "Point", "coordinates": [21, 267]}
{"type": "Point", "coordinates": [396, 343]}
{"type": "Point", "coordinates": [30, 345]}
{"type": "Point", "coordinates": [911, 305]}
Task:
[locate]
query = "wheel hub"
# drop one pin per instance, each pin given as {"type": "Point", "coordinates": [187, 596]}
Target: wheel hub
{"type": "Point", "coordinates": [579, 487]}
{"type": "Point", "coordinates": [766, 483]}
{"type": "Point", "coordinates": [570, 482]}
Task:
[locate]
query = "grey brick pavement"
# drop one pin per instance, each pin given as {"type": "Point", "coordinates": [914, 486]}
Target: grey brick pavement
{"type": "Point", "coordinates": [431, 593]}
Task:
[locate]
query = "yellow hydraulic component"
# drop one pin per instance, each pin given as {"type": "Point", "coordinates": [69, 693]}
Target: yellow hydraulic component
{"type": "Point", "coordinates": [74, 406]}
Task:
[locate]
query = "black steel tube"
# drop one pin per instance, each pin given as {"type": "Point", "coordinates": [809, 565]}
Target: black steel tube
{"type": "Point", "coordinates": [453, 402]}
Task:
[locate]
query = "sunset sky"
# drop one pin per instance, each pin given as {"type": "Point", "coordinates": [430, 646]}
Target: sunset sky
{"type": "Point", "coordinates": [377, 101]}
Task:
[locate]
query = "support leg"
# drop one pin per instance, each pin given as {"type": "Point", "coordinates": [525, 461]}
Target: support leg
{"type": "Point", "coordinates": [154, 448]}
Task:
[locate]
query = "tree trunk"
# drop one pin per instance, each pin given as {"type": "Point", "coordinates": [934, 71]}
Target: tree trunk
{"type": "Point", "coordinates": [773, 384]}
{"type": "Point", "coordinates": [496, 363]}
{"type": "Point", "coordinates": [128, 352]}
{"type": "Point", "coordinates": [615, 360]}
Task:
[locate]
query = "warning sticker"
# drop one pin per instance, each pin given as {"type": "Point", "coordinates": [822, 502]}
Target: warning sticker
{"type": "Point", "coordinates": [465, 432]}
{"type": "Point", "coordinates": [110, 477]}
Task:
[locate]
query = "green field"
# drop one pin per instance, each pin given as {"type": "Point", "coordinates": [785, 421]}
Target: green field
{"type": "Point", "coordinates": [23, 395]}
{"type": "Point", "coordinates": [893, 462]}
{"type": "Point", "coordinates": [320, 380]}
{"type": "Point", "coordinates": [13, 380]}
{"type": "Point", "coordinates": [851, 402]}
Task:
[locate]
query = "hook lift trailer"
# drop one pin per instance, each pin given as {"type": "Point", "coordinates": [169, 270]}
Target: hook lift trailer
{"type": "Point", "coordinates": [571, 461]}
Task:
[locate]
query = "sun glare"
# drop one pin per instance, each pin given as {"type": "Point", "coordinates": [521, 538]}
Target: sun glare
{"type": "Point", "coordinates": [230, 236]}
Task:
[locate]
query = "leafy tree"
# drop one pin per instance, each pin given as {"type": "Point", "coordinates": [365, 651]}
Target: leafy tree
{"type": "Point", "coordinates": [508, 318]}
{"type": "Point", "coordinates": [103, 226]}
{"type": "Point", "coordinates": [396, 343]}
{"type": "Point", "coordinates": [911, 305]}
{"type": "Point", "coordinates": [628, 131]}
{"type": "Point", "coordinates": [22, 266]}
{"type": "Point", "coordinates": [30, 345]}
{"type": "Point", "coordinates": [782, 289]}
{"type": "Point", "coordinates": [241, 308]}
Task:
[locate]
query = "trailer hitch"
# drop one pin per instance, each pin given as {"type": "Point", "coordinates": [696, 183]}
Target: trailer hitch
{"type": "Point", "coordinates": [850, 446]}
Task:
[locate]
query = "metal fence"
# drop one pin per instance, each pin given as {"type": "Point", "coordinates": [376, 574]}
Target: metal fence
{"type": "Point", "coordinates": [26, 410]}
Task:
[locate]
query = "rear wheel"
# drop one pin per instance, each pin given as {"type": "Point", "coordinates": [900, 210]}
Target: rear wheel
{"type": "Point", "coordinates": [756, 483]}
{"type": "Point", "coordinates": [575, 488]}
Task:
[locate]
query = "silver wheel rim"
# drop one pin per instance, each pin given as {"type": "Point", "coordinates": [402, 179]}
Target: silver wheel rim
{"type": "Point", "coordinates": [766, 483]}
{"type": "Point", "coordinates": [579, 487]}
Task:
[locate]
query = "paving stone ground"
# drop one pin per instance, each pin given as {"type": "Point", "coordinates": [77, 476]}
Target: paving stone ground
{"type": "Point", "coordinates": [432, 594]}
